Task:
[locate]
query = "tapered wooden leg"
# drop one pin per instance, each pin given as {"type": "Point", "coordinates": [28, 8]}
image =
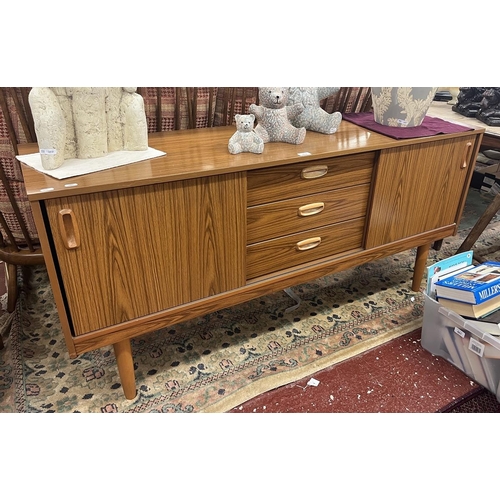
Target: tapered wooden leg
{"type": "Point", "coordinates": [437, 245]}
{"type": "Point", "coordinates": [420, 267]}
{"type": "Point", "coordinates": [125, 362]}
{"type": "Point", "coordinates": [480, 225]}
{"type": "Point", "coordinates": [11, 278]}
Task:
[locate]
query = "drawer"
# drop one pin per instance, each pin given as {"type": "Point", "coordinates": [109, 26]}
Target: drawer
{"type": "Point", "coordinates": [278, 183]}
{"type": "Point", "coordinates": [300, 248]}
{"type": "Point", "coordinates": [273, 220]}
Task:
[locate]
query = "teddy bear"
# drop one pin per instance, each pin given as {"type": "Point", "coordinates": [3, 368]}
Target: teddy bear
{"type": "Point", "coordinates": [274, 116]}
{"type": "Point", "coordinates": [245, 139]}
{"type": "Point", "coordinates": [313, 117]}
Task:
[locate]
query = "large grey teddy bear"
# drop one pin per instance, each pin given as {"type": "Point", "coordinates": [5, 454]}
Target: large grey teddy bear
{"type": "Point", "coordinates": [313, 117]}
{"type": "Point", "coordinates": [274, 116]}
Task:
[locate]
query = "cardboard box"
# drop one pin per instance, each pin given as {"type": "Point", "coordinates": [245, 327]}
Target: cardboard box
{"type": "Point", "coordinates": [474, 352]}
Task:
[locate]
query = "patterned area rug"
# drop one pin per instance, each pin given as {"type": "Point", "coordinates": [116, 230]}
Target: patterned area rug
{"type": "Point", "coordinates": [482, 401]}
{"type": "Point", "coordinates": [218, 361]}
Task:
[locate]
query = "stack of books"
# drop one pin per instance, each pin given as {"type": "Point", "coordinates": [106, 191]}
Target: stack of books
{"type": "Point", "coordinates": [472, 291]}
{"type": "Point", "coordinates": [459, 323]}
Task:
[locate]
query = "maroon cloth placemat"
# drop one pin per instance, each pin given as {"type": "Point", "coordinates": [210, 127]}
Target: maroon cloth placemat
{"type": "Point", "coordinates": [430, 126]}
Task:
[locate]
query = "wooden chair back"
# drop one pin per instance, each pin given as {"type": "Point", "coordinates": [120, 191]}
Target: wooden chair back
{"type": "Point", "coordinates": [349, 100]}
{"type": "Point", "coordinates": [19, 245]}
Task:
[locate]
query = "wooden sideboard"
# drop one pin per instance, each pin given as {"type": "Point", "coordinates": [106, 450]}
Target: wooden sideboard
{"type": "Point", "coordinates": [134, 248]}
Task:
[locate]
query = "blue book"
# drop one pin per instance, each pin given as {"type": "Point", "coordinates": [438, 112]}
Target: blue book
{"type": "Point", "coordinates": [445, 267]}
{"type": "Point", "coordinates": [474, 285]}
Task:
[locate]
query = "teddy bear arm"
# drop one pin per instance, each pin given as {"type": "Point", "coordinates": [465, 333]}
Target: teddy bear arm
{"type": "Point", "coordinates": [294, 110]}
{"type": "Point", "coordinates": [257, 110]}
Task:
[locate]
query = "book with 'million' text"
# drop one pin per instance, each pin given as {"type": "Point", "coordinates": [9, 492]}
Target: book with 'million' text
{"type": "Point", "coordinates": [474, 285]}
{"type": "Point", "coordinates": [475, 311]}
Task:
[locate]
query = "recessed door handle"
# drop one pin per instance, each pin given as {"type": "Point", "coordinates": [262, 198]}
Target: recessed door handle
{"type": "Point", "coordinates": [69, 228]}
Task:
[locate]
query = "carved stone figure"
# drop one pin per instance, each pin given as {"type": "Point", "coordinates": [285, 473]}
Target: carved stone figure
{"type": "Point", "coordinates": [489, 111]}
{"type": "Point", "coordinates": [87, 122]}
{"type": "Point", "coordinates": [469, 101]}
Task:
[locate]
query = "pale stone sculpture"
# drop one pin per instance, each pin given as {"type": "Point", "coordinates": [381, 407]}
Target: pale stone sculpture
{"type": "Point", "coordinates": [87, 122]}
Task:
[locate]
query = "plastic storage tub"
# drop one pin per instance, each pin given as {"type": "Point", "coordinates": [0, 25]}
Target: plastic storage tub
{"type": "Point", "coordinates": [474, 352]}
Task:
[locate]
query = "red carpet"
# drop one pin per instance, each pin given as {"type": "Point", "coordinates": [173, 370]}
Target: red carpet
{"type": "Point", "coordinates": [397, 377]}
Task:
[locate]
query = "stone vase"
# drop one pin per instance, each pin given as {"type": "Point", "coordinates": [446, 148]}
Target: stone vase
{"type": "Point", "coordinates": [401, 106]}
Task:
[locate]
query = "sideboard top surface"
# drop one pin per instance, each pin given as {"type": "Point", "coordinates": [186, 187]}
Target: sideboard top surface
{"type": "Point", "coordinates": [203, 152]}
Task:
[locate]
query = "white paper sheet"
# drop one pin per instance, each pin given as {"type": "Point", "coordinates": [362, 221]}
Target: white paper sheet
{"type": "Point", "coordinates": [75, 166]}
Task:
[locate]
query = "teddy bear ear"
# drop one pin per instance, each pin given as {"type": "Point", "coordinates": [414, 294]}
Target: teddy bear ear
{"type": "Point", "coordinates": [252, 116]}
{"type": "Point", "coordinates": [237, 117]}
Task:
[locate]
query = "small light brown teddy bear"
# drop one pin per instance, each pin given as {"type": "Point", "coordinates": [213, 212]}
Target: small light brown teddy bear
{"type": "Point", "coordinates": [274, 116]}
{"type": "Point", "coordinates": [245, 138]}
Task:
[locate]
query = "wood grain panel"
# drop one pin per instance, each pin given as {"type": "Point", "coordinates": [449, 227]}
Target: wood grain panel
{"type": "Point", "coordinates": [273, 255]}
{"type": "Point", "coordinates": [284, 217]}
{"type": "Point", "coordinates": [146, 249]}
{"type": "Point", "coordinates": [274, 184]}
{"type": "Point", "coordinates": [419, 188]}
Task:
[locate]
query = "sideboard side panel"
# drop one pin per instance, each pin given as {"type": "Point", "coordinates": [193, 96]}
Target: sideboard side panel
{"type": "Point", "coordinates": [419, 188]}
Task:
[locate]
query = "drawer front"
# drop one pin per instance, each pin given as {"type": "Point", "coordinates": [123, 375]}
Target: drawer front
{"type": "Point", "coordinates": [300, 248]}
{"type": "Point", "coordinates": [273, 220]}
{"type": "Point", "coordinates": [278, 183]}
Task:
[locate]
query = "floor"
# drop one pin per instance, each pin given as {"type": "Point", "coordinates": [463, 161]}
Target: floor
{"type": "Point", "coordinates": [397, 377]}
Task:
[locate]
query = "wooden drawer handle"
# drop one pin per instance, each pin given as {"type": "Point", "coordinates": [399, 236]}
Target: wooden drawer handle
{"type": "Point", "coordinates": [309, 243]}
{"type": "Point", "coordinates": [467, 149]}
{"type": "Point", "coordinates": [314, 172]}
{"type": "Point", "coordinates": [311, 209]}
{"type": "Point", "coordinates": [69, 228]}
